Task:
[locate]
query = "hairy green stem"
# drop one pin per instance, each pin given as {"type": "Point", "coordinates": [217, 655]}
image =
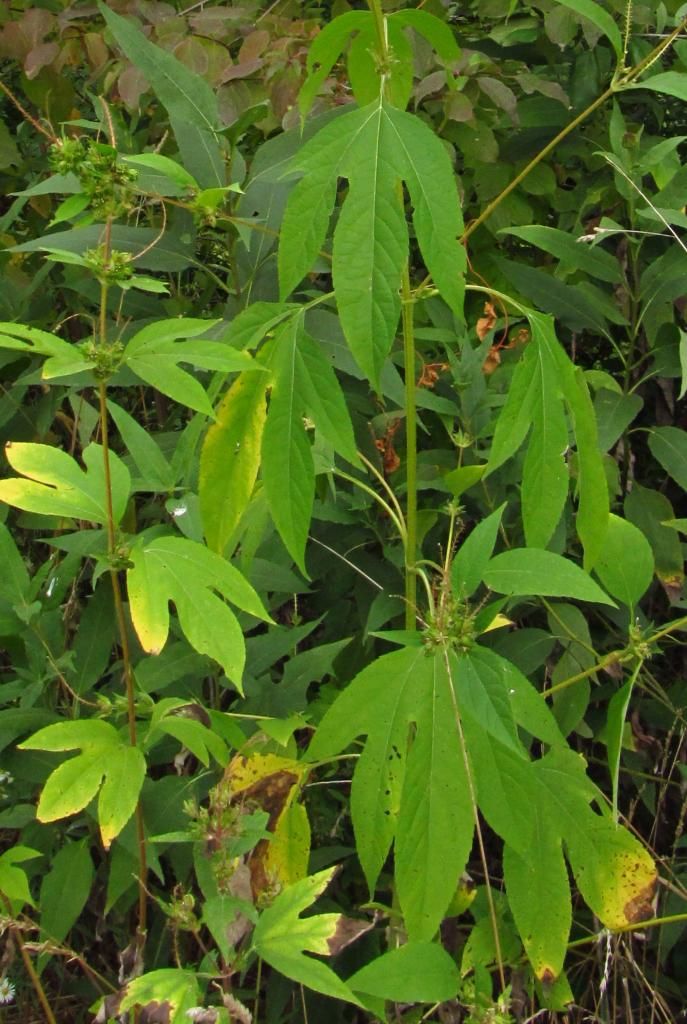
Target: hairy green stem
{"type": "Point", "coordinates": [411, 449]}
{"type": "Point", "coordinates": [409, 367]}
{"type": "Point", "coordinates": [614, 657]}
{"type": "Point", "coordinates": [119, 606]}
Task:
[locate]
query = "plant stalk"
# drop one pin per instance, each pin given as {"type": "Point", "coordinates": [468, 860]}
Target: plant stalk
{"type": "Point", "coordinates": [119, 610]}
{"type": "Point", "coordinates": [409, 367]}
{"type": "Point", "coordinates": [411, 450]}
{"type": "Point", "coordinates": [30, 969]}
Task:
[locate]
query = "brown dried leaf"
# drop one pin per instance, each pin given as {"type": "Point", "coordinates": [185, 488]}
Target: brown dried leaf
{"type": "Point", "coordinates": [39, 57]}
{"type": "Point", "coordinates": [131, 86]}
{"type": "Point", "coordinates": [253, 46]}
{"type": "Point", "coordinates": [486, 322]}
{"type": "Point", "coordinates": [492, 361]}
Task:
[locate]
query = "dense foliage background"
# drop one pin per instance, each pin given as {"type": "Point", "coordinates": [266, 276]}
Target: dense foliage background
{"type": "Point", "coordinates": [168, 261]}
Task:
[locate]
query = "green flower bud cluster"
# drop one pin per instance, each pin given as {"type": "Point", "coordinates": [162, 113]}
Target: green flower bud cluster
{"type": "Point", "coordinates": [103, 179]}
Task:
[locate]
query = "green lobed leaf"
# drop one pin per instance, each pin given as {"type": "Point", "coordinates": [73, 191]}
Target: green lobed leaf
{"type": "Point", "coordinates": [325, 50]}
{"type": "Point", "coordinates": [402, 793]}
{"type": "Point", "coordinates": [83, 734]}
{"type": "Point", "coordinates": [31, 340]}
{"type": "Point", "coordinates": [155, 352]}
{"type": "Point", "coordinates": [282, 937]}
{"type": "Point", "coordinates": [124, 776]}
{"type": "Point", "coordinates": [308, 210]}
{"type": "Point", "coordinates": [437, 215]}
{"type": "Point", "coordinates": [148, 593]}
{"type": "Point", "coordinates": [172, 986]}
{"type": "Point", "coordinates": [370, 242]}
{"type": "Point", "coordinates": [363, 65]}
{"type": "Point", "coordinates": [175, 569]}
{"type": "Point", "coordinates": [53, 483]}
{"type": "Point", "coordinates": [375, 148]}
{"type": "Point", "coordinates": [434, 30]}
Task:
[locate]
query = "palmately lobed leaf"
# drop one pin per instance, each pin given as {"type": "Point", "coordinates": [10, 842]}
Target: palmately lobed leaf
{"type": "Point", "coordinates": [281, 936]}
{"type": "Point", "coordinates": [173, 569]}
{"type": "Point", "coordinates": [375, 148]}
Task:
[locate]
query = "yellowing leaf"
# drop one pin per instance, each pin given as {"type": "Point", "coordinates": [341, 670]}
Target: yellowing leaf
{"type": "Point", "coordinates": [617, 877]}
{"type": "Point", "coordinates": [287, 854]}
{"type": "Point", "coordinates": [246, 772]}
{"type": "Point", "coordinates": [74, 783]}
{"type": "Point", "coordinates": [230, 459]}
{"type": "Point", "coordinates": [272, 782]}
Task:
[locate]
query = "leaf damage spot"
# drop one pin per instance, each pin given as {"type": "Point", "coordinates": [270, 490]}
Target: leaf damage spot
{"type": "Point", "coordinates": [641, 906]}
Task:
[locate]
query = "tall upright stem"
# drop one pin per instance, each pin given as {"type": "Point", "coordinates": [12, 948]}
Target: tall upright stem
{"type": "Point", "coordinates": [119, 602]}
{"type": "Point", "coordinates": [411, 449]}
{"type": "Point", "coordinates": [409, 367]}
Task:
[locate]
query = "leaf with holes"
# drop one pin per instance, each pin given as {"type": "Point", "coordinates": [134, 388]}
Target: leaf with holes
{"type": "Point", "coordinates": [402, 793]}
